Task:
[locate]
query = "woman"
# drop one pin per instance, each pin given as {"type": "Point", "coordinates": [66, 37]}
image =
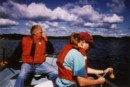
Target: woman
{"type": "Point", "coordinates": [72, 63]}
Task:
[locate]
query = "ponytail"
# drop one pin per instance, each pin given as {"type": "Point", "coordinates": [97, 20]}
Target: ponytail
{"type": "Point", "coordinates": [74, 38]}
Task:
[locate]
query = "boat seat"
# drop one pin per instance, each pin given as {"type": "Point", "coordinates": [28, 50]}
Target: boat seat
{"type": "Point", "coordinates": [45, 83]}
{"type": "Point", "coordinates": [32, 80]}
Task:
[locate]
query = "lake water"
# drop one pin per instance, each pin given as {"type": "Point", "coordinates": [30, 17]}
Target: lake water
{"type": "Point", "coordinates": [114, 52]}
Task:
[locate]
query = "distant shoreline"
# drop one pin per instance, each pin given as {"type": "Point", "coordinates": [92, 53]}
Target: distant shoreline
{"type": "Point", "coordinates": [19, 37]}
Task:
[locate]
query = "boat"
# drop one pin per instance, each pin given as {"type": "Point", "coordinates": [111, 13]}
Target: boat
{"type": "Point", "coordinates": [8, 76]}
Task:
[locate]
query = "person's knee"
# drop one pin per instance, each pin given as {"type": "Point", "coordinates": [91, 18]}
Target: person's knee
{"type": "Point", "coordinates": [53, 76]}
{"type": "Point", "coordinates": [22, 75]}
{"type": "Point", "coordinates": [55, 72]}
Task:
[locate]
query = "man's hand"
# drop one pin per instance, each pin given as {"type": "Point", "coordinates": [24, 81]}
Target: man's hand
{"type": "Point", "coordinates": [44, 35]}
{"type": "Point", "coordinates": [3, 63]}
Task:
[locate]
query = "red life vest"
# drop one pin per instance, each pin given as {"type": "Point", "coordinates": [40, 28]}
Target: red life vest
{"type": "Point", "coordinates": [39, 55]}
{"type": "Point", "coordinates": [62, 71]}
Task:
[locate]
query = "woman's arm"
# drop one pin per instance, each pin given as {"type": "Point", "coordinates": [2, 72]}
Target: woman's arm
{"type": "Point", "coordinates": [95, 71]}
{"type": "Point", "coordinates": [89, 82]}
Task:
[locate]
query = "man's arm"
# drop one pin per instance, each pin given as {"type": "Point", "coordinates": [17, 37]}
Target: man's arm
{"type": "Point", "coordinates": [49, 45]}
{"type": "Point", "coordinates": [44, 35]}
{"type": "Point", "coordinates": [13, 60]}
{"type": "Point", "coordinates": [15, 57]}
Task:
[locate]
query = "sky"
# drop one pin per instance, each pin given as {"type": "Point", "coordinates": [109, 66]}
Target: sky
{"type": "Point", "coordinates": [62, 17]}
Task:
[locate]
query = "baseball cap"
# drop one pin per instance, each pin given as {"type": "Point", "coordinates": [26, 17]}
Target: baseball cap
{"type": "Point", "coordinates": [86, 36]}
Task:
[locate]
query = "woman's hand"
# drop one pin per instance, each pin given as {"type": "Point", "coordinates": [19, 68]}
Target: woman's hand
{"type": "Point", "coordinates": [101, 80]}
{"type": "Point", "coordinates": [108, 70]}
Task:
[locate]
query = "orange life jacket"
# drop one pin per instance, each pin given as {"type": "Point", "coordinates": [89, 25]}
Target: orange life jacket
{"type": "Point", "coordinates": [62, 71]}
{"type": "Point", "coordinates": [39, 55]}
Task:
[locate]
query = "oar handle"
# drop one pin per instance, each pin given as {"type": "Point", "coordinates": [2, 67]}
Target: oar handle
{"type": "Point", "coordinates": [107, 81]}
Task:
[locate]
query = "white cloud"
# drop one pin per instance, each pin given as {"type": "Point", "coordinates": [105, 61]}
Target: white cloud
{"type": "Point", "coordinates": [88, 24]}
{"type": "Point", "coordinates": [54, 24]}
{"type": "Point", "coordinates": [113, 19]}
{"type": "Point", "coordinates": [90, 18]}
{"type": "Point", "coordinates": [60, 13]}
{"type": "Point", "coordinates": [106, 32]}
{"type": "Point", "coordinates": [43, 25]}
{"type": "Point", "coordinates": [87, 12]}
{"type": "Point", "coordinates": [113, 26]}
{"type": "Point", "coordinates": [39, 10]}
{"type": "Point", "coordinates": [51, 28]}
{"type": "Point", "coordinates": [35, 10]}
{"type": "Point", "coordinates": [76, 16]}
{"type": "Point", "coordinates": [7, 22]}
{"type": "Point", "coordinates": [25, 11]}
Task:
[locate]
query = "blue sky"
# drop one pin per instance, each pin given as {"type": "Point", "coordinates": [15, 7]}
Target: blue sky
{"type": "Point", "coordinates": [61, 17]}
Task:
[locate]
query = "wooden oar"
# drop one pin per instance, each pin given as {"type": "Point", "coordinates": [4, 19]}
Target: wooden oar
{"type": "Point", "coordinates": [110, 83]}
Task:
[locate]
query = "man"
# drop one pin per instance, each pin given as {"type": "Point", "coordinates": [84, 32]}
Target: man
{"type": "Point", "coordinates": [33, 56]}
